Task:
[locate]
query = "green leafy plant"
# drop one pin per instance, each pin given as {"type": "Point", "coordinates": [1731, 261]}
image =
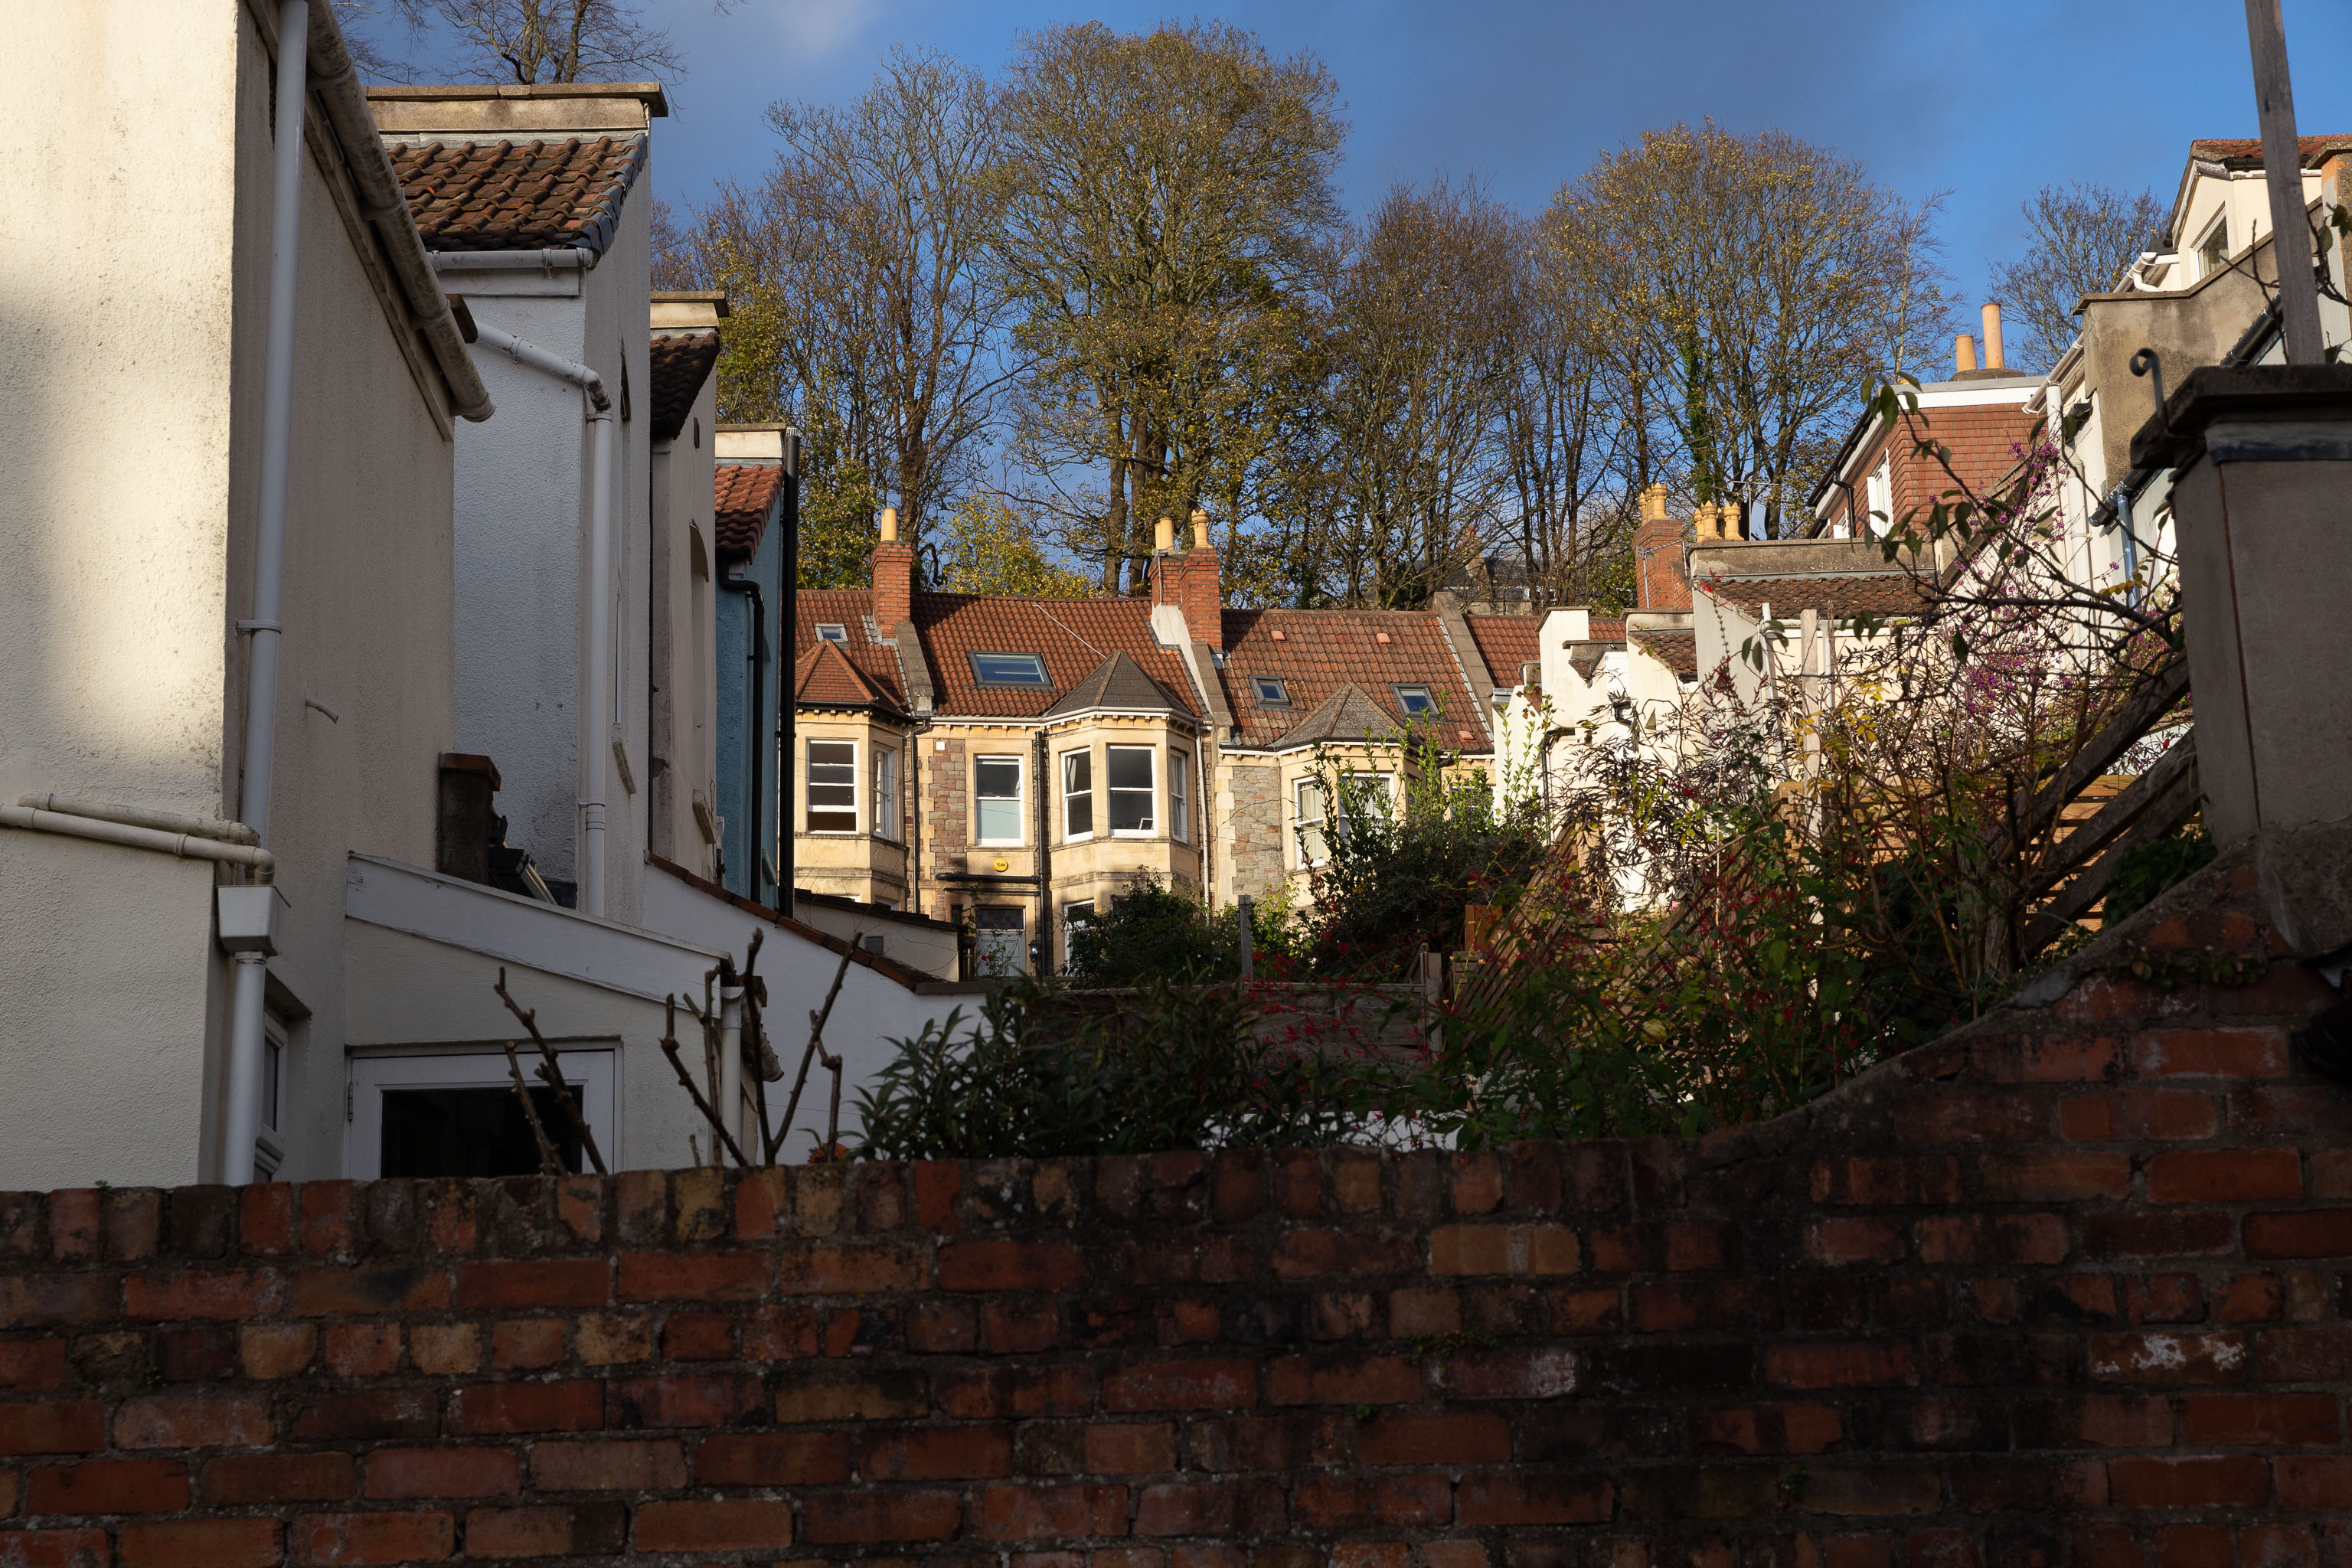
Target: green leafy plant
{"type": "Point", "coordinates": [2147, 869]}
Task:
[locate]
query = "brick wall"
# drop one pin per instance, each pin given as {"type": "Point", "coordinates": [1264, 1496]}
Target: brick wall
{"type": "Point", "coordinates": [2066, 1288]}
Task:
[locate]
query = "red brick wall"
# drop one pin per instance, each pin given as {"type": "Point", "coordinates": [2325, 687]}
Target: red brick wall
{"type": "Point", "coordinates": [1661, 574]}
{"type": "Point", "coordinates": [2066, 1288]}
{"type": "Point", "coordinates": [1985, 443]}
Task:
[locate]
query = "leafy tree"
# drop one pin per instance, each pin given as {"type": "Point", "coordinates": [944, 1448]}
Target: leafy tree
{"type": "Point", "coordinates": [1166, 194]}
{"type": "Point", "coordinates": [1153, 931]}
{"type": "Point", "coordinates": [992, 549]}
{"type": "Point", "coordinates": [2081, 238]}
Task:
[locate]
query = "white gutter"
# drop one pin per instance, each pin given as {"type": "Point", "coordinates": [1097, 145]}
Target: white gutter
{"type": "Point", "coordinates": [252, 981]}
{"type": "Point", "coordinates": [574, 258]}
{"type": "Point", "coordinates": [598, 654]}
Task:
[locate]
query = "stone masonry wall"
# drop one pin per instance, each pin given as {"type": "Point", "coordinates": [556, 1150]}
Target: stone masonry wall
{"type": "Point", "coordinates": [2069, 1288]}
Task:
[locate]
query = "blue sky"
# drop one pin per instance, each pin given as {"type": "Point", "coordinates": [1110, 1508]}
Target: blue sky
{"type": "Point", "coordinates": [1990, 98]}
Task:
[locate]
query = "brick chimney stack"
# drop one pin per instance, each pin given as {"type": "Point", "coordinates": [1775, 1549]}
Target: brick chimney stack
{"type": "Point", "coordinates": [894, 575]}
{"type": "Point", "coordinates": [1203, 593]}
{"type": "Point", "coordinates": [1659, 582]}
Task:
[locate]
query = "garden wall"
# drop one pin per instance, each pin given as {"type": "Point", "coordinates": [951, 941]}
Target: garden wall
{"type": "Point", "coordinates": [2068, 1287]}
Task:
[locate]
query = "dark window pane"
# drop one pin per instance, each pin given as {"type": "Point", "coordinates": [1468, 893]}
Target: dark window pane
{"type": "Point", "coordinates": [469, 1132]}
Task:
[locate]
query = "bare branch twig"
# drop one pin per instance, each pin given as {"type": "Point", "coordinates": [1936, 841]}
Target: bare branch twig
{"type": "Point", "coordinates": [686, 1079]}
{"type": "Point", "coordinates": [554, 1075]}
{"type": "Point", "coordinates": [550, 1163]}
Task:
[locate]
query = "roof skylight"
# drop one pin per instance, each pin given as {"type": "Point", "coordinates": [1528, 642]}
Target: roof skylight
{"type": "Point", "coordinates": [1025, 669]}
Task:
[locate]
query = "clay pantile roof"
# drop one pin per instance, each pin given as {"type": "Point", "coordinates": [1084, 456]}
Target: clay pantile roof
{"type": "Point", "coordinates": [825, 677]}
{"type": "Point", "coordinates": [682, 363]}
{"type": "Point", "coordinates": [1607, 628]}
{"type": "Point", "coordinates": [2247, 151]}
{"type": "Point", "coordinates": [1506, 642]}
{"type": "Point", "coordinates": [742, 496]}
{"type": "Point", "coordinates": [1834, 594]}
{"type": "Point", "coordinates": [1678, 651]}
{"type": "Point", "coordinates": [1073, 637]}
{"type": "Point", "coordinates": [851, 609]}
{"type": "Point", "coordinates": [1319, 651]}
{"type": "Point", "coordinates": [1119, 682]}
{"type": "Point", "coordinates": [518, 195]}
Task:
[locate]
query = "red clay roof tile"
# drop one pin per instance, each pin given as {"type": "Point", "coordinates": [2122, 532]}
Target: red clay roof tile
{"type": "Point", "coordinates": [1321, 650]}
{"type": "Point", "coordinates": [743, 494]}
{"type": "Point", "coordinates": [1678, 651]}
{"type": "Point", "coordinates": [681, 363]}
{"type": "Point", "coordinates": [1073, 637]}
{"type": "Point", "coordinates": [851, 609]}
{"type": "Point", "coordinates": [518, 195]}
{"type": "Point", "coordinates": [1506, 642]}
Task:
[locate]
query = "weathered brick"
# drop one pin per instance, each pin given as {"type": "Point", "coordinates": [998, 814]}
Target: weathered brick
{"type": "Point", "coordinates": [1851, 1365]}
{"type": "Point", "coordinates": [954, 1453]}
{"type": "Point", "coordinates": [227, 1295]}
{"type": "Point", "coordinates": [443, 1473]}
{"type": "Point", "coordinates": [2235, 1481]}
{"type": "Point", "coordinates": [857, 1517]}
{"type": "Point", "coordinates": [1010, 1266]}
{"type": "Point", "coordinates": [201, 1543]}
{"type": "Point", "coordinates": [2224, 1175]}
{"type": "Point", "coordinates": [1412, 1438]}
{"type": "Point", "coordinates": [608, 1467]}
{"type": "Point", "coordinates": [1187, 1508]}
{"type": "Point", "coordinates": [245, 1478]}
{"type": "Point", "coordinates": [1512, 1250]}
{"type": "Point", "coordinates": [370, 1290]}
{"type": "Point", "coordinates": [361, 1350]}
{"type": "Point", "coordinates": [193, 1421]}
{"type": "Point", "coordinates": [696, 1277]}
{"type": "Point", "coordinates": [1306, 1253]}
{"type": "Point", "coordinates": [2321, 1233]}
{"type": "Point", "coordinates": [1529, 1498]}
{"type": "Point", "coordinates": [2209, 1053]}
{"type": "Point", "coordinates": [737, 1525]}
{"type": "Point", "coordinates": [772, 1459]}
{"type": "Point", "coordinates": [386, 1412]}
{"type": "Point", "coordinates": [273, 1351]}
{"type": "Point", "coordinates": [56, 1549]}
{"type": "Point", "coordinates": [498, 1533]}
{"type": "Point", "coordinates": [1033, 1514]}
{"type": "Point", "coordinates": [549, 1282]}
{"type": "Point", "coordinates": [1366, 1379]}
{"type": "Point", "coordinates": [499, 1407]}
{"type": "Point", "coordinates": [445, 1349]}
{"type": "Point", "coordinates": [2267, 1419]}
{"type": "Point", "coordinates": [1205, 1384]}
{"type": "Point", "coordinates": [109, 1486]}
{"type": "Point", "coordinates": [849, 1270]}
{"type": "Point", "coordinates": [2171, 1358]}
{"type": "Point", "coordinates": [32, 1366]}
{"type": "Point", "coordinates": [374, 1538]}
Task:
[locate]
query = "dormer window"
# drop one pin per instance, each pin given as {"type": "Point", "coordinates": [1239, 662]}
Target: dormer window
{"type": "Point", "coordinates": [834, 632]}
{"type": "Point", "coordinates": [1025, 669]}
{"type": "Point", "coordinates": [1416, 702]}
{"type": "Point", "coordinates": [1271, 690]}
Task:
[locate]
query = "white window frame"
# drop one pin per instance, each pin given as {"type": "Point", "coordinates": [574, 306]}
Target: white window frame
{"type": "Point", "coordinates": [1069, 911]}
{"type": "Point", "coordinates": [1082, 754]}
{"type": "Point", "coordinates": [1150, 790]}
{"type": "Point", "coordinates": [1879, 498]}
{"type": "Point", "coordinates": [590, 1068]}
{"type": "Point", "coordinates": [809, 786]}
{"type": "Point", "coordinates": [1179, 804]}
{"type": "Point", "coordinates": [886, 823]}
{"type": "Point", "coordinates": [270, 1116]}
{"type": "Point", "coordinates": [1020, 800]}
{"type": "Point", "coordinates": [827, 632]}
{"type": "Point", "coordinates": [1322, 819]}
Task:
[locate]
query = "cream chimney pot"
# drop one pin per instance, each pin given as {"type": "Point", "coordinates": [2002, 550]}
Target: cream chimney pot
{"type": "Point", "coordinates": [1653, 502]}
{"type": "Point", "coordinates": [1991, 317]}
{"type": "Point", "coordinates": [1199, 529]}
{"type": "Point", "coordinates": [1164, 537]}
{"type": "Point", "coordinates": [890, 524]}
{"type": "Point", "coordinates": [1964, 350]}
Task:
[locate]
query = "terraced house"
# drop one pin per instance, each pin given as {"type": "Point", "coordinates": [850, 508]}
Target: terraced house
{"type": "Point", "coordinates": [1013, 764]}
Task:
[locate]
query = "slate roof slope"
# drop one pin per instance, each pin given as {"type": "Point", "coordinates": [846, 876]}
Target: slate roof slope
{"type": "Point", "coordinates": [1505, 643]}
{"type": "Point", "coordinates": [1321, 650]}
{"type": "Point", "coordinates": [681, 363]}
{"type": "Point", "coordinates": [1073, 637]}
{"type": "Point", "coordinates": [1119, 682]}
{"type": "Point", "coordinates": [1346, 715]}
{"type": "Point", "coordinates": [851, 609]}
{"type": "Point", "coordinates": [518, 195]}
{"type": "Point", "coordinates": [1835, 595]}
{"type": "Point", "coordinates": [824, 677]}
{"type": "Point", "coordinates": [743, 494]}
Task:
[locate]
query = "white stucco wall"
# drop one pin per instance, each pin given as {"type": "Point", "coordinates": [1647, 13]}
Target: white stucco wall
{"type": "Point", "coordinates": [522, 519]}
{"type": "Point", "coordinates": [131, 373]}
{"type": "Point", "coordinates": [679, 693]}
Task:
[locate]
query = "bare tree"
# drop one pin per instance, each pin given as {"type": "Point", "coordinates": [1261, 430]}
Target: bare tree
{"type": "Point", "coordinates": [548, 40]}
{"type": "Point", "coordinates": [1423, 332]}
{"type": "Point", "coordinates": [1750, 285]}
{"type": "Point", "coordinates": [858, 301]}
{"type": "Point", "coordinates": [2082, 237]}
{"type": "Point", "coordinates": [1167, 194]}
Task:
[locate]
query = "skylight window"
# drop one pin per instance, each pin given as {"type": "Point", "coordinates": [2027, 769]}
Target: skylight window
{"type": "Point", "coordinates": [1271, 692]}
{"type": "Point", "coordinates": [1010, 670]}
{"type": "Point", "coordinates": [832, 631]}
{"type": "Point", "coordinates": [1416, 702]}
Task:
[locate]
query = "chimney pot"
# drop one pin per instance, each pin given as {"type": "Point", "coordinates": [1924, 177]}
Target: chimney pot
{"type": "Point", "coordinates": [890, 524]}
{"type": "Point", "coordinates": [1163, 536]}
{"type": "Point", "coordinates": [1990, 315]}
{"type": "Point", "coordinates": [1964, 352]}
{"type": "Point", "coordinates": [1653, 502]}
{"type": "Point", "coordinates": [1199, 529]}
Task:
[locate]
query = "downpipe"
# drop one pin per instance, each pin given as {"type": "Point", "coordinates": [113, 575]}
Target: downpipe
{"type": "Point", "coordinates": [249, 989]}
